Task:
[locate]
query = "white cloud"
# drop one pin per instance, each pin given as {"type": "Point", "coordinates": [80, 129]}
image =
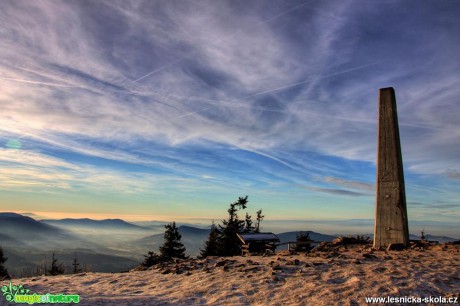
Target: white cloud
{"type": "Point", "coordinates": [69, 80]}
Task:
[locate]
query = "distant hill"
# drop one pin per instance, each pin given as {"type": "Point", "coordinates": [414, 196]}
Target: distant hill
{"type": "Point", "coordinates": [25, 228]}
{"type": "Point", "coordinates": [193, 239]}
{"type": "Point", "coordinates": [292, 236]}
{"type": "Point", "coordinates": [433, 238]}
{"type": "Point", "coordinates": [95, 224]}
{"type": "Point", "coordinates": [95, 261]}
{"type": "Point", "coordinates": [150, 224]}
{"type": "Point", "coordinates": [25, 234]}
{"type": "Point", "coordinates": [21, 264]}
{"type": "Point", "coordinates": [428, 237]}
{"type": "Point", "coordinates": [439, 238]}
{"type": "Point", "coordinates": [27, 243]}
{"type": "Point", "coordinates": [8, 239]}
{"type": "Point", "coordinates": [11, 215]}
{"type": "Point", "coordinates": [16, 263]}
{"type": "Point", "coordinates": [193, 231]}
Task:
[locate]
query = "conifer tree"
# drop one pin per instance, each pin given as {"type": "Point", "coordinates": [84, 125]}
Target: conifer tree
{"type": "Point", "coordinates": [172, 247]}
{"type": "Point", "coordinates": [3, 272]}
{"type": "Point", "coordinates": [76, 265]}
{"type": "Point", "coordinates": [229, 242]}
{"type": "Point", "coordinates": [249, 228]}
{"type": "Point", "coordinates": [55, 268]}
{"type": "Point", "coordinates": [150, 259]}
{"type": "Point", "coordinates": [259, 219]}
{"type": "Point", "coordinates": [211, 246]}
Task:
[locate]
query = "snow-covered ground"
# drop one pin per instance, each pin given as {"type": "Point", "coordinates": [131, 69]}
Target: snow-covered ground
{"type": "Point", "coordinates": [344, 278]}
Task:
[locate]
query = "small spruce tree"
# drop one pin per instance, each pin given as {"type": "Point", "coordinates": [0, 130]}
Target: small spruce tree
{"type": "Point", "coordinates": [229, 242]}
{"type": "Point", "coordinates": [76, 265]}
{"type": "Point", "coordinates": [211, 246]}
{"type": "Point", "coordinates": [303, 242]}
{"type": "Point", "coordinates": [259, 219]}
{"type": "Point", "coordinates": [150, 259]}
{"type": "Point", "coordinates": [56, 269]}
{"type": "Point", "coordinates": [3, 272]}
{"type": "Point", "coordinates": [249, 228]}
{"type": "Point", "coordinates": [172, 246]}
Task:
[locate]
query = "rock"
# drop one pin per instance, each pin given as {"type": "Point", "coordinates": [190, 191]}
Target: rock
{"type": "Point", "coordinates": [277, 267]}
{"type": "Point", "coordinates": [178, 271]}
{"type": "Point", "coordinates": [281, 259]}
{"type": "Point", "coordinates": [139, 268]}
{"type": "Point", "coordinates": [351, 240]}
{"type": "Point", "coordinates": [396, 247]}
{"type": "Point", "coordinates": [368, 255]}
{"type": "Point", "coordinates": [80, 274]}
{"type": "Point", "coordinates": [166, 271]}
{"type": "Point", "coordinates": [294, 262]}
{"type": "Point", "coordinates": [251, 269]}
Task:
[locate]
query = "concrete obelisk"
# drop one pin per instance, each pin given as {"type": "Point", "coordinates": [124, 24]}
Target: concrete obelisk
{"type": "Point", "coordinates": [391, 226]}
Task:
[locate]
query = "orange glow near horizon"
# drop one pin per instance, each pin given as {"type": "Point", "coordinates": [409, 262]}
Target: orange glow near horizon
{"type": "Point", "coordinates": [99, 216]}
{"type": "Point", "coordinates": [137, 217]}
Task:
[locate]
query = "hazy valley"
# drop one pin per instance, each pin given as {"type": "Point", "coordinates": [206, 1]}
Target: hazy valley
{"type": "Point", "coordinates": [111, 245]}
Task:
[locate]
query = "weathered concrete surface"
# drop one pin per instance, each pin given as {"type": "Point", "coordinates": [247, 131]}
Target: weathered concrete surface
{"type": "Point", "coordinates": [391, 226]}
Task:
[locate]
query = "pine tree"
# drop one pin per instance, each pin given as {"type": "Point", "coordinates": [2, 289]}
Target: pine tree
{"type": "Point", "coordinates": [211, 246]}
{"type": "Point", "coordinates": [55, 268]}
{"type": "Point", "coordinates": [172, 247]}
{"type": "Point", "coordinates": [229, 242]}
{"type": "Point", "coordinates": [76, 265]}
{"type": "Point", "coordinates": [3, 272]}
{"type": "Point", "coordinates": [259, 219]}
{"type": "Point", "coordinates": [249, 228]}
{"type": "Point", "coordinates": [151, 259]}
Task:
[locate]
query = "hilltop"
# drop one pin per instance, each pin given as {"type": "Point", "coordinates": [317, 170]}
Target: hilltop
{"type": "Point", "coordinates": [346, 276]}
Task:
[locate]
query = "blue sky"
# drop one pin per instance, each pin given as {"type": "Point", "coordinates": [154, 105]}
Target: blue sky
{"type": "Point", "coordinates": [173, 109]}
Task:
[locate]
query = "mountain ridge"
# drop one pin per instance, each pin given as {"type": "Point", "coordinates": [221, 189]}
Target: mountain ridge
{"type": "Point", "coordinates": [105, 223]}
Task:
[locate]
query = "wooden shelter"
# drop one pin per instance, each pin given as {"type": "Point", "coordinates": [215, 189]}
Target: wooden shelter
{"type": "Point", "coordinates": [257, 243]}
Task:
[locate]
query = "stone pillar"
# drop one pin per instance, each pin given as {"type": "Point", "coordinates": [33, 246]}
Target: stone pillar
{"type": "Point", "coordinates": [391, 226]}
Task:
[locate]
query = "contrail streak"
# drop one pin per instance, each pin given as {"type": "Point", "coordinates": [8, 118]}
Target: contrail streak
{"type": "Point", "coordinates": [164, 67]}
{"type": "Point", "coordinates": [269, 156]}
{"type": "Point", "coordinates": [56, 77]}
{"type": "Point", "coordinates": [191, 113]}
{"type": "Point", "coordinates": [96, 89]}
{"type": "Point", "coordinates": [39, 83]}
{"type": "Point", "coordinates": [230, 103]}
{"type": "Point", "coordinates": [306, 81]}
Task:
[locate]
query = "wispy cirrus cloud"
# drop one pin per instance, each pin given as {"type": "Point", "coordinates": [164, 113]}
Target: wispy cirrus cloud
{"type": "Point", "coordinates": [453, 175]}
{"type": "Point", "coordinates": [340, 192]}
{"type": "Point", "coordinates": [350, 184]}
{"type": "Point", "coordinates": [288, 90]}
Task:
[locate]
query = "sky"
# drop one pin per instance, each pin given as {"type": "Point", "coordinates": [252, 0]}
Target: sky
{"type": "Point", "coordinates": [162, 110]}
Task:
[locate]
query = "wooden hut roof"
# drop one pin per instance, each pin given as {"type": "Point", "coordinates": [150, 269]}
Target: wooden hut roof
{"type": "Point", "coordinates": [266, 237]}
